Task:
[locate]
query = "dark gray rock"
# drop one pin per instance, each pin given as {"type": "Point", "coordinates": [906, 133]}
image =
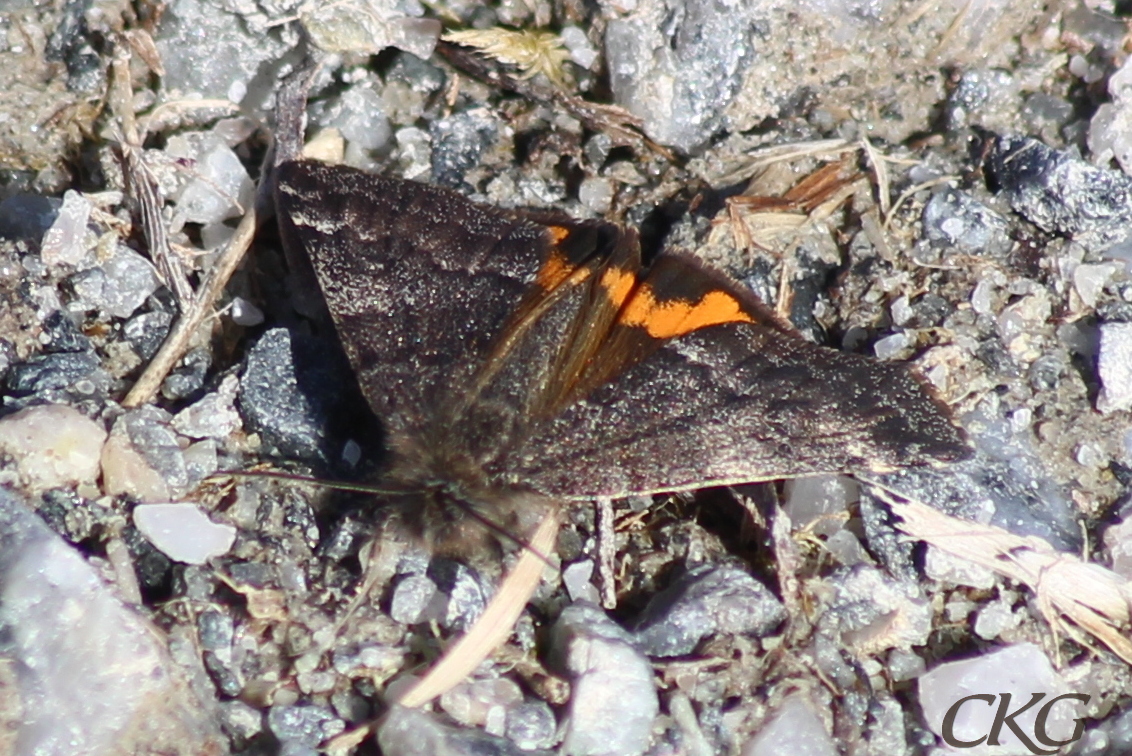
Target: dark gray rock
{"type": "Point", "coordinates": [1063, 194]}
{"type": "Point", "coordinates": [287, 395]}
{"type": "Point", "coordinates": [702, 602]}
{"type": "Point", "coordinates": [28, 216]}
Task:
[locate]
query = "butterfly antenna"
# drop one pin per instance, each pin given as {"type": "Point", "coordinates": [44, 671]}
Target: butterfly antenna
{"type": "Point", "coordinates": [277, 475]}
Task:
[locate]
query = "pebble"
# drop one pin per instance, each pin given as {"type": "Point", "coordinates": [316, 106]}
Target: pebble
{"type": "Point", "coordinates": [1114, 366]}
{"type": "Point", "coordinates": [679, 72]}
{"type": "Point", "coordinates": [90, 668]}
{"type": "Point", "coordinates": [45, 373]}
{"type": "Point", "coordinates": [67, 241]}
{"type": "Point", "coordinates": [213, 415]}
{"type": "Point", "coordinates": [303, 725]}
{"type": "Point", "coordinates": [1019, 670]}
{"type": "Point", "coordinates": [872, 612]}
{"type": "Point", "coordinates": [118, 286]}
{"type": "Point", "coordinates": [411, 598]}
{"type": "Point", "coordinates": [531, 725]}
{"type": "Point", "coordinates": [218, 186]}
{"type": "Point", "coordinates": [208, 54]}
{"type": "Point", "coordinates": [458, 142]}
{"type": "Point", "coordinates": [482, 703]}
{"type": "Point", "coordinates": [795, 729]}
{"type": "Point", "coordinates": [183, 532]}
{"type": "Point", "coordinates": [705, 601]}
{"type": "Point", "coordinates": [125, 471]}
{"type": "Point", "coordinates": [53, 445]}
{"type": "Point", "coordinates": [466, 596]}
{"type": "Point", "coordinates": [958, 224]}
{"type": "Point", "coordinates": [244, 313]}
{"type": "Point", "coordinates": [149, 431]}
{"type": "Point", "coordinates": [613, 701]}
{"type": "Point", "coordinates": [412, 732]}
{"type": "Point", "coordinates": [940, 565]}
{"type": "Point", "coordinates": [816, 502]}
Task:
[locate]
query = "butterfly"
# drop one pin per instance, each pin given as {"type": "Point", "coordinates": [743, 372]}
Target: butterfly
{"type": "Point", "coordinates": [522, 358]}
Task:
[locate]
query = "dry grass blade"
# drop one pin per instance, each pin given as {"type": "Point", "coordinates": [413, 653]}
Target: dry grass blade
{"type": "Point", "coordinates": [1094, 598]}
{"type": "Point", "coordinates": [494, 625]}
{"type": "Point", "coordinates": [192, 316]}
{"type": "Point", "coordinates": [141, 182]}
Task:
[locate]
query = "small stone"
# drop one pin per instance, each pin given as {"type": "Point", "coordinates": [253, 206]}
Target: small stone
{"type": "Point", "coordinates": [146, 331]}
{"type": "Point", "coordinates": [411, 597]}
{"type": "Point", "coordinates": [1090, 280]}
{"type": "Point", "coordinates": [678, 72]}
{"type": "Point", "coordinates": [213, 416]}
{"type": "Point", "coordinates": [304, 725]}
{"type": "Point", "coordinates": [286, 394]}
{"type": "Point", "coordinates": [119, 285]}
{"type": "Point", "coordinates": [90, 668]}
{"type": "Point", "coordinates": [412, 732]}
{"type": "Point", "coordinates": [60, 334]}
{"type": "Point", "coordinates": [201, 460]}
{"type": "Point", "coordinates": [218, 186]}
{"type": "Point", "coordinates": [188, 377]}
{"type": "Point", "coordinates": [940, 565]}
{"type": "Point", "coordinates": [1114, 366]}
{"type": "Point", "coordinates": [613, 701]}
{"type": "Point", "coordinates": [66, 242]}
{"type": "Point", "coordinates": [1063, 194]}
{"type": "Point", "coordinates": [244, 313]}
{"type": "Point", "coordinates": [894, 347]}
{"type": "Point", "coordinates": [359, 116]}
{"type": "Point", "coordinates": [531, 725]}
{"type": "Point", "coordinates": [794, 730]}
{"type": "Point", "coordinates": [53, 445]}
{"type": "Point", "coordinates": [125, 471]}
{"type": "Point", "coordinates": [959, 224]}
{"type": "Point", "coordinates": [577, 579]}
{"type": "Point", "coordinates": [466, 597]}
{"type": "Point", "coordinates": [458, 141]}
{"type": "Point", "coordinates": [994, 619]}
{"type": "Point", "coordinates": [149, 432]}
{"type": "Point", "coordinates": [817, 502]}
{"type": "Point", "coordinates": [240, 721]}
{"type": "Point", "coordinates": [482, 703]}
{"type": "Point", "coordinates": [705, 601]}
{"type": "Point", "coordinates": [871, 612]}
{"type": "Point", "coordinates": [49, 372]}
{"type": "Point", "coordinates": [371, 27]}
{"type": "Point", "coordinates": [182, 532]}
{"type": "Point", "coordinates": [596, 194]}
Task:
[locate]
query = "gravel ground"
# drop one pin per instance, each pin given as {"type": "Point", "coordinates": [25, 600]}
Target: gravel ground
{"type": "Point", "coordinates": [939, 183]}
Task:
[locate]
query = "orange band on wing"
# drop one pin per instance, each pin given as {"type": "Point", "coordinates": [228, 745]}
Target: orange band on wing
{"type": "Point", "coordinates": [558, 269]}
{"type": "Point", "coordinates": [618, 285]}
{"type": "Point", "coordinates": [677, 317]}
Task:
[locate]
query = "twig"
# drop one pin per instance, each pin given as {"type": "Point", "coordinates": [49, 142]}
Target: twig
{"type": "Point", "coordinates": [177, 342]}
